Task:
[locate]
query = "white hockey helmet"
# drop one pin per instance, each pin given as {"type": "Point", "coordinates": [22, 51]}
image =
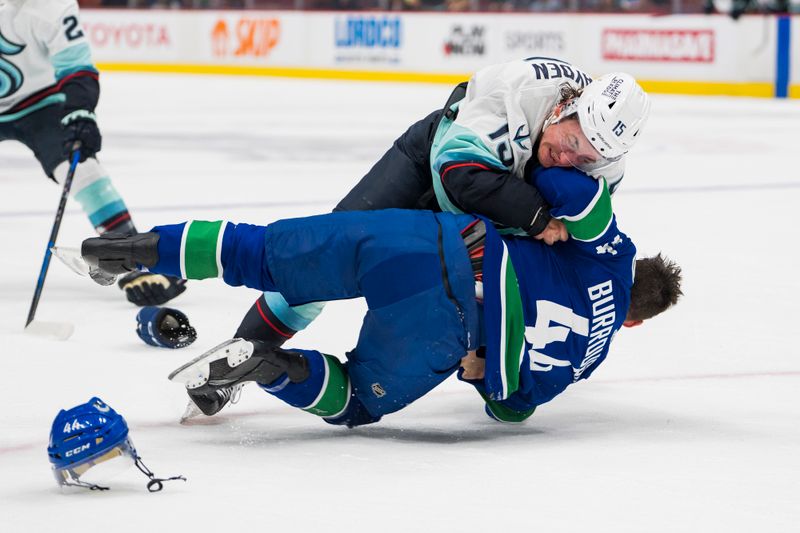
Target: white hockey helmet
{"type": "Point", "coordinates": [612, 111]}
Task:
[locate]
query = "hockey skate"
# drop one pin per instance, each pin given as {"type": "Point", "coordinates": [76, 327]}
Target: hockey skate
{"type": "Point", "coordinates": [211, 378]}
{"type": "Point", "coordinates": [118, 253]}
{"type": "Point", "coordinates": [210, 403]}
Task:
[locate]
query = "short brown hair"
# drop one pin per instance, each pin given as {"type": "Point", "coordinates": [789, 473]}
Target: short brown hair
{"type": "Point", "coordinates": [567, 93]}
{"type": "Point", "coordinates": [656, 287]}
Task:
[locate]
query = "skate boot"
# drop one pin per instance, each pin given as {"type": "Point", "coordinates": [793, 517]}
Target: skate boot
{"type": "Point", "coordinates": [211, 403]}
{"type": "Point", "coordinates": [119, 253]}
{"type": "Point", "coordinates": [238, 361]}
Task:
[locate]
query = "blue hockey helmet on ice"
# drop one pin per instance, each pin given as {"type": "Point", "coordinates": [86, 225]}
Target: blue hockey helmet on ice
{"type": "Point", "coordinates": [89, 435]}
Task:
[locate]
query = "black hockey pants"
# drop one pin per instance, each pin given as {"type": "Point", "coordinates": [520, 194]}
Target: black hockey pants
{"type": "Point", "coordinates": [402, 177]}
{"type": "Point", "coordinates": [40, 131]}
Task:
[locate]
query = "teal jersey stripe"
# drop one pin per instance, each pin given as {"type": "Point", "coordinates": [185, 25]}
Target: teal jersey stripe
{"type": "Point", "coordinates": [335, 392]}
{"type": "Point", "coordinates": [50, 100]}
{"type": "Point", "coordinates": [455, 143]}
{"type": "Point", "coordinates": [71, 60]}
{"type": "Point", "coordinates": [107, 212]}
{"type": "Point", "coordinates": [200, 249]}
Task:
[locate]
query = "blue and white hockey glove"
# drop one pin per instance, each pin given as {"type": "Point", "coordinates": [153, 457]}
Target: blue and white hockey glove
{"type": "Point", "coordinates": [81, 125]}
{"type": "Point", "coordinates": [164, 327]}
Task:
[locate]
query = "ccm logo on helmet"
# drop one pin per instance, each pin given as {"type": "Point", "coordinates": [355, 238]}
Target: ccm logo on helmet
{"type": "Point", "coordinates": [79, 449]}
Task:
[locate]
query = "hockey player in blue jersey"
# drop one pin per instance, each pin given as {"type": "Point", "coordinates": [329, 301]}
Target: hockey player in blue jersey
{"type": "Point", "coordinates": [443, 290]}
{"type": "Point", "coordinates": [48, 92]}
{"type": "Point", "coordinates": [475, 156]}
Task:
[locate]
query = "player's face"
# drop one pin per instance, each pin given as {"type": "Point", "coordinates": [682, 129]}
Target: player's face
{"type": "Point", "coordinates": [564, 145]}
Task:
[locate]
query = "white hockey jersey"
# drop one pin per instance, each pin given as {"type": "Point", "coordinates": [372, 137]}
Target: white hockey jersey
{"type": "Point", "coordinates": [41, 43]}
{"type": "Point", "coordinates": [502, 116]}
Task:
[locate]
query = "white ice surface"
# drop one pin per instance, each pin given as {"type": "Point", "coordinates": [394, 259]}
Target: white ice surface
{"type": "Point", "coordinates": [692, 424]}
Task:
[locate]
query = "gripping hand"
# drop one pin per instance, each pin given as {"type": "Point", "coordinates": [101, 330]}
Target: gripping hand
{"type": "Point", "coordinates": [81, 126]}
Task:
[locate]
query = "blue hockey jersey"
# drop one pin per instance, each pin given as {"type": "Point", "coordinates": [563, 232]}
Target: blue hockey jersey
{"type": "Point", "coordinates": [551, 311]}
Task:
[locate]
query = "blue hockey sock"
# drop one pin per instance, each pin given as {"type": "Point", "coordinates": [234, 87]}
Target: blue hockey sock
{"type": "Point", "coordinates": [326, 391]}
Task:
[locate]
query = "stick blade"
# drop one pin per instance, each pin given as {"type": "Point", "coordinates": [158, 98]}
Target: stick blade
{"type": "Point", "coordinates": [59, 331]}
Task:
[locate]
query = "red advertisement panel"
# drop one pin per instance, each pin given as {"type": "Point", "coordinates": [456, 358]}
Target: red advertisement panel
{"type": "Point", "coordinates": [682, 46]}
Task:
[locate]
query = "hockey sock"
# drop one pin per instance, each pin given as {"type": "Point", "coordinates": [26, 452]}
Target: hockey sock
{"type": "Point", "coordinates": [272, 320]}
{"type": "Point", "coordinates": [263, 324]}
{"type": "Point", "coordinates": [326, 391]}
{"type": "Point", "coordinates": [101, 202]}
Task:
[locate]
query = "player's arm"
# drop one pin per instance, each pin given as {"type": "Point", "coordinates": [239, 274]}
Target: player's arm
{"type": "Point", "coordinates": [475, 187]}
{"type": "Point", "coordinates": [472, 371]}
{"type": "Point", "coordinates": [76, 77]}
{"type": "Point", "coordinates": [582, 203]}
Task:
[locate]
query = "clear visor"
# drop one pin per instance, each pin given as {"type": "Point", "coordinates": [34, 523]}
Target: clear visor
{"type": "Point", "coordinates": [576, 147]}
{"type": "Point", "coordinates": [98, 470]}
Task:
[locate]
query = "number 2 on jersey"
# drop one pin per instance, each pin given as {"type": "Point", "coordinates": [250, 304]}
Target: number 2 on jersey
{"type": "Point", "coordinates": [73, 31]}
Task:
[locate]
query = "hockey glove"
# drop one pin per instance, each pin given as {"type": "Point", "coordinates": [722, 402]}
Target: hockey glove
{"type": "Point", "coordinates": [147, 288]}
{"type": "Point", "coordinates": [81, 126]}
{"type": "Point", "coordinates": [164, 327]}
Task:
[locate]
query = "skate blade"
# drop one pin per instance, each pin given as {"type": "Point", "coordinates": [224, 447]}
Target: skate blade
{"type": "Point", "coordinates": [196, 372]}
{"type": "Point", "coordinates": [72, 258]}
{"type": "Point", "coordinates": [191, 412]}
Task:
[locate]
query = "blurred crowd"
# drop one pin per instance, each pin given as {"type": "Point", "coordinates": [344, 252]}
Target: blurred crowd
{"type": "Point", "coordinates": [733, 7]}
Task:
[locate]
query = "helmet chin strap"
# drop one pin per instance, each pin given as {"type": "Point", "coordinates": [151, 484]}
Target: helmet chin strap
{"type": "Point", "coordinates": [155, 484]}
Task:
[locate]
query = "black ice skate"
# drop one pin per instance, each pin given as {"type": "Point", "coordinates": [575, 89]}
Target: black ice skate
{"type": "Point", "coordinates": [118, 253]}
{"type": "Point", "coordinates": [210, 403]}
{"type": "Point", "coordinates": [238, 361]}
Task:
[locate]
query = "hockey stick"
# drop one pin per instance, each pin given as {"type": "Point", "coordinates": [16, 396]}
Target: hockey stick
{"type": "Point", "coordinates": [56, 330]}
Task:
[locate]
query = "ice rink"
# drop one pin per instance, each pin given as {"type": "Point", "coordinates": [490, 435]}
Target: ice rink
{"type": "Point", "coordinates": [691, 424]}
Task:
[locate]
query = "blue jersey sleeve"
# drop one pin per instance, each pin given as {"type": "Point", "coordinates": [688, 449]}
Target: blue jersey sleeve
{"type": "Point", "coordinates": [581, 202]}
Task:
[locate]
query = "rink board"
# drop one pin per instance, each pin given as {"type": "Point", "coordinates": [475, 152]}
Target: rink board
{"type": "Point", "coordinates": [689, 54]}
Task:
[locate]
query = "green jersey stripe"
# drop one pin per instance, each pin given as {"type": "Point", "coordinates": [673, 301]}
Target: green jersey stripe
{"type": "Point", "coordinates": [506, 414]}
{"type": "Point", "coordinates": [335, 393]}
{"type": "Point", "coordinates": [200, 249]}
{"type": "Point", "coordinates": [593, 221]}
{"type": "Point", "coordinates": [513, 330]}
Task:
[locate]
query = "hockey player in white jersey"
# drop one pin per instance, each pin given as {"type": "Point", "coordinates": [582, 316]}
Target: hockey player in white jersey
{"type": "Point", "coordinates": [48, 92]}
{"type": "Point", "coordinates": [478, 155]}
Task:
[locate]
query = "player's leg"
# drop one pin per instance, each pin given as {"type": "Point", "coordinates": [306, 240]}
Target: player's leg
{"type": "Point", "coordinates": [422, 315]}
{"type": "Point", "coordinates": [405, 349]}
{"type": "Point", "coordinates": [400, 179]}
{"type": "Point", "coordinates": [92, 188]}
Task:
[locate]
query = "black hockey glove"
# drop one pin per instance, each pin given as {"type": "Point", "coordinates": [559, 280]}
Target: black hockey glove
{"type": "Point", "coordinates": [147, 288]}
{"type": "Point", "coordinates": [81, 126]}
{"type": "Point", "coordinates": [164, 327]}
